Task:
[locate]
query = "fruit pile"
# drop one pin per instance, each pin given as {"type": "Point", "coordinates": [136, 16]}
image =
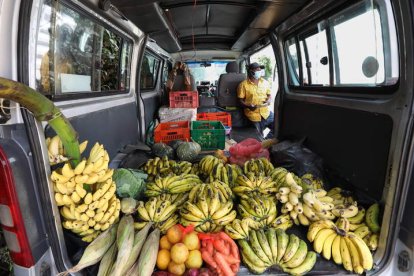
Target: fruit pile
{"type": "Point", "coordinates": [179, 250]}
{"type": "Point", "coordinates": [85, 194]}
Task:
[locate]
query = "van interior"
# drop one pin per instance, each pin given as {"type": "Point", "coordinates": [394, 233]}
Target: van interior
{"type": "Point", "coordinates": [340, 71]}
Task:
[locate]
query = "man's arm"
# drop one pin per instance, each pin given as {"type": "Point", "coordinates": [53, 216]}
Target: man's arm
{"type": "Point", "coordinates": [241, 94]}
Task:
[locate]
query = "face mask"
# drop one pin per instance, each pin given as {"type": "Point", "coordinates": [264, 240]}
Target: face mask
{"type": "Point", "coordinates": [257, 74]}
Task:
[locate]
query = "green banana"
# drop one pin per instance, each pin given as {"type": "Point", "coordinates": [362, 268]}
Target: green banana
{"type": "Point", "coordinates": [254, 242]}
{"type": "Point", "coordinates": [292, 247]}
{"type": "Point", "coordinates": [264, 243]}
{"type": "Point", "coordinates": [282, 243]}
{"type": "Point", "coordinates": [248, 253]}
{"type": "Point", "coordinates": [305, 266]}
{"type": "Point", "coordinates": [272, 240]}
{"type": "Point", "coordinates": [253, 267]}
{"type": "Point", "coordinates": [299, 256]}
{"type": "Point", "coordinates": [372, 218]}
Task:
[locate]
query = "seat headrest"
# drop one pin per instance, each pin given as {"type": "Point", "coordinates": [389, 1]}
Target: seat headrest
{"type": "Point", "coordinates": [232, 67]}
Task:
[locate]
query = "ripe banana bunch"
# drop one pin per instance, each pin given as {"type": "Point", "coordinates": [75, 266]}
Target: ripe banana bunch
{"type": "Point", "coordinates": [344, 247]}
{"type": "Point", "coordinates": [56, 151]}
{"type": "Point", "coordinates": [260, 166]}
{"type": "Point", "coordinates": [225, 173]}
{"type": "Point", "coordinates": [157, 211]}
{"type": "Point", "coordinates": [159, 166]}
{"type": "Point", "coordinates": [172, 184]}
{"type": "Point", "coordinates": [238, 229]}
{"type": "Point", "coordinates": [261, 210]}
{"type": "Point", "coordinates": [86, 194]}
{"type": "Point", "coordinates": [345, 211]}
{"type": "Point", "coordinates": [92, 212]}
{"type": "Point", "coordinates": [340, 196]}
{"type": "Point", "coordinates": [372, 241]}
{"type": "Point", "coordinates": [372, 218]}
{"type": "Point", "coordinates": [176, 199]}
{"type": "Point", "coordinates": [248, 185]}
{"type": "Point", "coordinates": [208, 190]}
{"type": "Point", "coordinates": [207, 164]}
{"type": "Point", "coordinates": [312, 181]}
{"type": "Point", "coordinates": [207, 214]}
{"type": "Point", "coordinates": [283, 222]}
{"type": "Point", "coordinates": [274, 247]}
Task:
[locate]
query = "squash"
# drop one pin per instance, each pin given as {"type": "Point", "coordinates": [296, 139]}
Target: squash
{"type": "Point", "coordinates": [161, 150]}
{"type": "Point", "coordinates": [188, 151]}
{"type": "Point", "coordinates": [174, 144]}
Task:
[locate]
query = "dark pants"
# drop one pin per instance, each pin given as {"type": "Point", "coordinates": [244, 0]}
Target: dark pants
{"type": "Point", "coordinates": [263, 124]}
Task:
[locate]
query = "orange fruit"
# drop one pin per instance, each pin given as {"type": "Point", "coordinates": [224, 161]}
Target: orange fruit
{"type": "Point", "coordinates": [191, 241]}
{"type": "Point", "coordinates": [194, 259]}
{"type": "Point", "coordinates": [165, 243]}
{"type": "Point", "coordinates": [163, 259]}
{"type": "Point", "coordinates": [176, 269]}
{"type": "Point", "coordinates": [174, 234]}
{"type": "Point", "coordinates": [179, 253]}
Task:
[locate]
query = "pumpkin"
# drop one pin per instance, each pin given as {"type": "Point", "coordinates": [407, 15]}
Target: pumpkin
{"type": "Point", "coordinates": [188, 151]}
{"type": "Point", "coordinates": [161, 150]}
{"type": "Point", "coordinates": [174, 144]}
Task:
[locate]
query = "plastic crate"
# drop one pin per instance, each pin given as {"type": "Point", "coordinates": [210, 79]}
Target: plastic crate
{"type": "Point", "coordinates": [167, 132]}
{"type": "Point", "coordinates": [223, 117]}
{"type": "Point", "coordinates": [183, 99]}
{"type": "Point", "coordinates": [209, 134]}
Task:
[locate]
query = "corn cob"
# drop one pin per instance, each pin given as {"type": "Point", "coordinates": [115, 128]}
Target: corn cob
{"type": "Point", "coordinates": [125, 242]}
{"type": "Point", "coordinates": [148, 257]}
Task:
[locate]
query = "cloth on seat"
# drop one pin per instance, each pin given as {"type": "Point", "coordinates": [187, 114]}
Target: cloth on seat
{"type": "Point", "coordinates": [227, 85]}
{"type": "Point", "coordinates": [180, 78]}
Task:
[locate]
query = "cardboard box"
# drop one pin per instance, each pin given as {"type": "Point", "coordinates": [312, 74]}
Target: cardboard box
{"type": "Point", "coordinates": [167, 114]}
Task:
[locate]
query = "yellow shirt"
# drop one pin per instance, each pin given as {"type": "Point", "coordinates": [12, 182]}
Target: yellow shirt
{"type": "Point", "coordinates": [254, 94]}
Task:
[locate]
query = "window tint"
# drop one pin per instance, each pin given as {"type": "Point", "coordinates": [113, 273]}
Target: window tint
{"type": "Point", "coordinates": [149, 71]}
{"type": "Point", "coordinates": [358, 46]}
{"type": "Point", "coordinates": [75, 54]}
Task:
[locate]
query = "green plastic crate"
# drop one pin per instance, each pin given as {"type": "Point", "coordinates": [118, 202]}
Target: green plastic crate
{"type": "Point", "coordinates": [211, 135]}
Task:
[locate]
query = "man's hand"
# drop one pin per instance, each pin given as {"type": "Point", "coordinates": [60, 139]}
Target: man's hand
{"type": "Point", "coordinates": [252, 107]}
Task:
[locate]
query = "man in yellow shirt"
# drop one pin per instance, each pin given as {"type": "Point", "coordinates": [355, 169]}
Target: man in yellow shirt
{"type": "Point", "coordinates": [254, 94]}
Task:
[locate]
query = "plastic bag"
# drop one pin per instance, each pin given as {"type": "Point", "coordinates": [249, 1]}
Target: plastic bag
{"type": "Point", "coordinates": [245, 150]}
{"type": "Point", "coordinates": [295, 157]}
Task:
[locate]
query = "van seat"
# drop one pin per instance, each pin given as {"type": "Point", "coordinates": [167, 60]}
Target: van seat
{"type": "Point", "coordinates": [227, 86]}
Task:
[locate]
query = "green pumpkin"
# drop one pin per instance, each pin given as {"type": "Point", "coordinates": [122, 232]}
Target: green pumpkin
{"type": "Point", "coordinates": [161, 150]}
{"type": "Point", "coordinates": [188, 151]}
{"type": "Point", "coordinates": [175, 144]}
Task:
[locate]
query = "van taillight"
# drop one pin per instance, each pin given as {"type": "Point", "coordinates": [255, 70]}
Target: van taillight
{"type": "Point", "coordinates": [11, 218]}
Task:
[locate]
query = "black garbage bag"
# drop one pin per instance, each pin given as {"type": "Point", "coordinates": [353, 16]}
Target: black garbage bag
{"type": "Point", "coordinates": [295, 157]}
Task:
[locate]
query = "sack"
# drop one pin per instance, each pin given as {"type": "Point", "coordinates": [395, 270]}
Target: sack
{"type": "Point", "coordinates": [295, 157]}
{"type": "Point", "coordinates": [245, 150]}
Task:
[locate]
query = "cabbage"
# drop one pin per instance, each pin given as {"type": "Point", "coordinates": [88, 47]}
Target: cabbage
{"type": "Point", "coordinates": [130, 183]}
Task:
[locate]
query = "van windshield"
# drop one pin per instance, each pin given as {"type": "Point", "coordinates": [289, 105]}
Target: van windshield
{"type": "Point", "coordinates": [203, 73]}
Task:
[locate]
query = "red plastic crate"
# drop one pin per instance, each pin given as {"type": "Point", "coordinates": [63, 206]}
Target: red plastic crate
{"type": "Point", "coordinates": [183, 99]}
{"type": "Point", "coordinates": [167, 132]}
{"type": "Point", "coordinates": [223, 117]}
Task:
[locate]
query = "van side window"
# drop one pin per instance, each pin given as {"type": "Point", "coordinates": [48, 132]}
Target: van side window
{"type": "Point", "coordinates": [149, 71]}
{"type": "Point", "coordinates": [356, 47]}
{"type": "Point", "coordinates": [75, 54]}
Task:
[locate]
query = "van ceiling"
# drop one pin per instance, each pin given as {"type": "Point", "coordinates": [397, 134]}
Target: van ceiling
{"type": "Point", "coordinates": [179, 25]}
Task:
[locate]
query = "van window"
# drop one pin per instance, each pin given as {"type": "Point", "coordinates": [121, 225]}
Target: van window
{"type": "Point", "coordinates": [356, 47]}
{"type": "Point", "coordinates": [149, 71]}
{"type": "Point", "coordinates": [76, 54]}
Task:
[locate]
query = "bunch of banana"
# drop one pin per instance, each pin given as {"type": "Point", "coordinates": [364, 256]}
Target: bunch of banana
{"type": "Point", "coordinates": [207, 164]}
{"type": "Point", "coordinates": [157, 211]}
{"type": "Point", "coordinates": [207, 214]}
{"type": "Point", "coordinates": [261, 210]}
{"type": "Point", "coordinates": [274, 247]}
{"type": "Point", "coordinates": [278, 175]}
{"type": "Point", "coordinates": [238, 229]}
{"type": "Point", "coordinates": [344, 247]}
{"type": "Point", "coordinates": [283, 222]}
{"type": "Point", "coordinates": [312, 181]}
{"type": "Point", "coordinates": [172, 184]}
{"type": "Point", "coordinates": [92, 212]}
{"type": "Point", "coordinates": [86, 194]}
{"type": "Point", "coordinates": [248, 185]}
{"type": "Point", "coordinates": [208, 190]}
{"type": "Point", "coordinates": [160, 166]}
{"type": "Point", "coordinates": [346, 211]}
{"type": "Point", "coordinates": [195, 169]}
{"type": "Point", "coordinates": [260, 166]}
{"type": "Point", "coordinates": [225, 173]}
{"type": "Point", "coordinates": [176, 199]}
{"type": "Point", "coordinates": [56, 151]}
{"type": "Point", "coordinates": [372, 218]}
{"type": "Point", "coordinates": [340, 196]}
{"type": "Point", "coordinates": [372, 241]}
